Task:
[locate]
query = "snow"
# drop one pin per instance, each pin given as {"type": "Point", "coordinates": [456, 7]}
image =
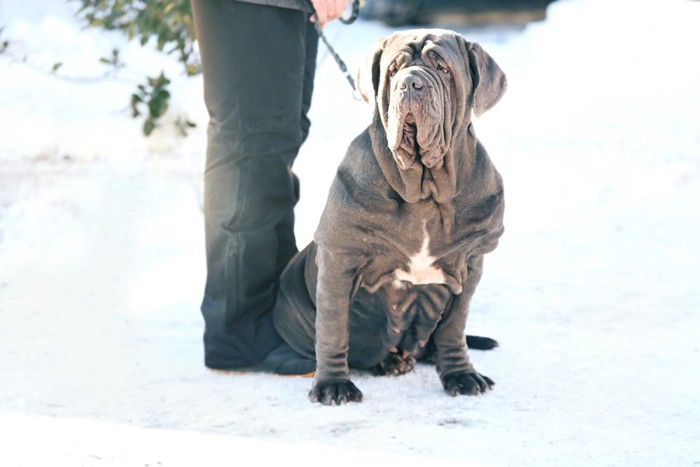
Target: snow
{"type": "Point", "coordinates": [593, 292]}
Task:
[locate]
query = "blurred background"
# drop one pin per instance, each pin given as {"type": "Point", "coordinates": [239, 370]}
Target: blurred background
{"type": "Point", "coordinates": [471, 12]}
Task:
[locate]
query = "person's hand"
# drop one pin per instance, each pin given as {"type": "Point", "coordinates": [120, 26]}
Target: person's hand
{"type": "Point", "coordinates": [328, 10]}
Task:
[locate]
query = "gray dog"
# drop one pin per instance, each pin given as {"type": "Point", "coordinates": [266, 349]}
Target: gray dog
{"type": "Point", "coordinates": [415, 205]}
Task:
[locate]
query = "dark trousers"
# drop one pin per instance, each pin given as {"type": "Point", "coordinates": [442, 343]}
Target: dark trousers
{"type": "Point", "coordinates": [258, 66]}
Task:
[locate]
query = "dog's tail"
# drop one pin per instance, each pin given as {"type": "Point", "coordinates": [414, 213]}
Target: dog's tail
{"type": "Point", "coordinates": [473, 342]}
{"type": "Point", "coordinates": [481, 343]}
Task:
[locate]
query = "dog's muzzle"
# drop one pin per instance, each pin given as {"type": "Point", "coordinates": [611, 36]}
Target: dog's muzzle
{"type": "Point", "coordinates": [413, 117]}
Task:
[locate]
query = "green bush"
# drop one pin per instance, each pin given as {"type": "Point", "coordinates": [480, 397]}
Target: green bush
{"type": "Point", "coordinates": [168, 24]}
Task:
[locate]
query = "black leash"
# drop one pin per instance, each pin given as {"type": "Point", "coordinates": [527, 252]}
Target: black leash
{"type": "Point", "coordinates": [341, 64]}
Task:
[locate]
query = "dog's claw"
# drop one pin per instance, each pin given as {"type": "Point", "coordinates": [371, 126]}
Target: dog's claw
{"type": "Point", "coordinates": [335, 393]}
{"type": "Point", "coordinates": [467, 383]}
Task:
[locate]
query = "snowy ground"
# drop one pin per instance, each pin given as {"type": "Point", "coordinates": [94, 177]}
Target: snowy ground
{"type": "Point", "coordinates": [593, 293]}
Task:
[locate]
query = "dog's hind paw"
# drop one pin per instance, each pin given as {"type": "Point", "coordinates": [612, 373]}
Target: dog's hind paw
{"type": "Point", "coordinates": [395, 364]}
{"type": "Point", "coordinates": [468, 383]}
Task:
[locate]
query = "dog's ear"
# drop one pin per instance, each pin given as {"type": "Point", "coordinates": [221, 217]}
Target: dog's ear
{"type": "Point", "coordinates": [489, 81]}
{"type": "Point", "coordinates": [367, 78]}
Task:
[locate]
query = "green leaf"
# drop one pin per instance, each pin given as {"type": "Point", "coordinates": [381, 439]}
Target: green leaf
{"type": "Point", "coordinates": [148, 127]}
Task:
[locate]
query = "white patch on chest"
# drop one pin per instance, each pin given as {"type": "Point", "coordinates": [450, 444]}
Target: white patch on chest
{"type": "Point", "coordinates": [420, 267]}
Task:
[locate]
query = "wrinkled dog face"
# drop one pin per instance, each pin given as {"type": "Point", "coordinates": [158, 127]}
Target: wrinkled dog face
{"type": "Point", "coordinates": [418, 86]}
{"type": "Point", "coordinates": [425, 83]}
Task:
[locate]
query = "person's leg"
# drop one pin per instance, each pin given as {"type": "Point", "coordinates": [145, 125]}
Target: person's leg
{"type": "Point", "coordinates": [309, 74]}
{"type": "Point", "coordinates": [285, 229]}
{"type": "Point", "coordinates": [254, 60]}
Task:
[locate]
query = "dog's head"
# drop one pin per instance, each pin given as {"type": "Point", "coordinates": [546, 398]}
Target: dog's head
{"type": "Point", "coordinates": [425, 84]}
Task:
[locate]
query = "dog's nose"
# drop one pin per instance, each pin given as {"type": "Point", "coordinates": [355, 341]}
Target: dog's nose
{"type": "Point", "coordinates": [413, 83]}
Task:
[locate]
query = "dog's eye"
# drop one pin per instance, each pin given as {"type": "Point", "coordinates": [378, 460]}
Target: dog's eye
{"type": "Point", "coordinates": [392, 70]}
{"type": "Point", "coordinates": [442, 68]}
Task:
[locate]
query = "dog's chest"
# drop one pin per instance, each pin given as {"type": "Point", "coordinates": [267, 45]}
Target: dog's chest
{"type": "Point", "coordinates": [412, 249]}
{"type": "Point", "coordinates": [424, 253]}
{"type": "Point", "coordinates": [420, 267]}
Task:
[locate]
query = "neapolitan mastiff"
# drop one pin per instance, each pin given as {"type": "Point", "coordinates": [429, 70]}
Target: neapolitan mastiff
{"type": "Point", "coordinates": [415, 205]}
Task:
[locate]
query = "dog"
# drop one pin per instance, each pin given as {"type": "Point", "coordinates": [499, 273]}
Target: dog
{"type": "Point", "coordinates": [415, 205]}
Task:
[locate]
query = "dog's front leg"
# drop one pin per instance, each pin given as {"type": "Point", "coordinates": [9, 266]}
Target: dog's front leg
{"type": "Point", "coordinates": [332, 385]}
{"type": "Point", "coordinates": [456, 372]}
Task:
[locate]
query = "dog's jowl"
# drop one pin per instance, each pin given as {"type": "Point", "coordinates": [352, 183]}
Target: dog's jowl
{"type": "Point", "coordinates": [414, 207]}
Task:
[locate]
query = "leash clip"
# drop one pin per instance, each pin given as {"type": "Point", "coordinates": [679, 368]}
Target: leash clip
{"type": "Point", "coordinates": [353, 14]}
{"type": "Point", "coordinates": [339, 61]}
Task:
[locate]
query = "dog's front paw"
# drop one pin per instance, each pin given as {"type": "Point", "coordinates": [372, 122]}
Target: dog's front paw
{"type": "Point", "coordinates": [395, 364]}
{"type": "Point", "coordinates": [335, 392]}
{"type": "Point", "coordinates": [469, 383]}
